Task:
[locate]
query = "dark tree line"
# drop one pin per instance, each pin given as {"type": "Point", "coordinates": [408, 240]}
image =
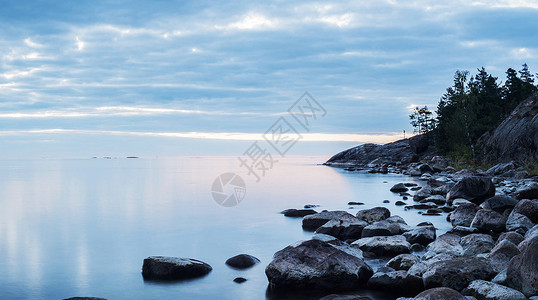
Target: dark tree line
{"type": "Point", "coordinates": [473, 106]}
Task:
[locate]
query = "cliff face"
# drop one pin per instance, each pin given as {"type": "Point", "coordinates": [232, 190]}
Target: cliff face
{"type": "Point", "coordinates": [516, 138]}
{"type": "Point", "coordinates": [404, 151]}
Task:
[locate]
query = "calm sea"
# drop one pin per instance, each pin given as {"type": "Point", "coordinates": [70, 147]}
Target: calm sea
{"type": "Point", "coordinates": [82, 227]}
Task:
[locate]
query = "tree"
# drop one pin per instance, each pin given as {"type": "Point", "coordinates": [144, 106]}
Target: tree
{"type": "Point", "coordinates": [422, 119]}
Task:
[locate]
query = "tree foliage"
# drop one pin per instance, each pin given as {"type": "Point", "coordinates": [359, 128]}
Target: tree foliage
{"type": "Point", "coordinates": [422, 119]}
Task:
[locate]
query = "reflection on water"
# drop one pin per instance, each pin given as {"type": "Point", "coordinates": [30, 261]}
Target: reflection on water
{"type": "Point", "coordinates": [83, 227]}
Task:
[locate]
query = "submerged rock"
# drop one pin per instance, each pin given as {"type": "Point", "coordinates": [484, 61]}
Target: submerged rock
{"type": "Point", "coordinates": [315, 264]}
{"type": "Point", "coordinates": [242, 261]}
{"type": "Point", "coordinates": [171, 268]}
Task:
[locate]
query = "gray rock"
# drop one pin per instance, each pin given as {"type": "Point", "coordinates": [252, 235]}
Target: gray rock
{"type": "Point", "coordinates": [463, 215]}
{"type": "Point", "coordinates": [473, 188]}
{"type": "Point", "coordinates": [522, 272]}
{"type": "Point", "coordinates": [476, 243]}
{"type": "Point", "coordinates": [486, 220]}
{"type": "Point", "coordinates": [312, 222]}
{"type": "Point", "coordinates": [457, 273]}
{"type": "Point", "coordinates": [501, 255]}
{"type": "Point", "coordinates": [518, 222]}
{"type": "Point", "coordinates": [314, 264]}
{"type": "Point", "coordinates": [345, 297]}
{"type": "Point", "coordinates": [396, 282]}
{"type": "Point", "coordinates": [501, 168]}
{"type": "Point", "coordinates": [421, 235]}
{"type": "Point", "coordinates": [242, 261]}
{"type": "Point", "coordinates": [529, 191]}
{"type": "Point", "coordinates": [423, 193]}
{"type": "Point", "coordinates": [172, 268]}
{"type": "Point", "coordinates": [500, 278]}
{"type": "Point", "coordinates": [298, 213]}
{"type": "Point", "coordinates": [528, 208]}
{"type": "Point", "coordinates": [437, 199]}
{"type": "Point", "coordinates": [399, 188]}
{"type": "Point", "coordinates": [239, 280]}
{"type": "Point", "coordinates": [391, 226]}
{"type": "Point", "coordinates": [383, 245]}
{"type": "Point", "coordinates": [418, 269]}
{"type": "Point", "coordinates": [511, 236]}
{"type": "Point", "coordinates": [499, 203]}
{"type": "Point", "coordinates": [485, 290]}
{"type": "Point", "coordinates": [350, 228]}
{"type": "Point", "coordinates": [440, 293]}
{"type": "Point", "coordinates": [402, 262]}
{"type": "Point", "coordinates": [463, 231]}
{"type": "Point", "coordinates": [373, 214]}
{"type": "Point", "coordinates": [446, 243]}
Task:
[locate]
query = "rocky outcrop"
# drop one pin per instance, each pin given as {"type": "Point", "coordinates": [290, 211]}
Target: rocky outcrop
{"type": "Point", "coordinates": [405, 151]}
{"type": "Point", "coordinates": [173, 268]}
{"type": "Point", "coordinates": [516, 138]}
{"type": "Point", "coordinates": [315, 264]}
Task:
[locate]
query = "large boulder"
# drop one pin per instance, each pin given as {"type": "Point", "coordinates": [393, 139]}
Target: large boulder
{"type": "Point", "coordinates": [399, 188]}
{"type": "Point", "coordinates": [373, 214]}
{"type": "Point", "coordinates": [473, 188]}
{"type": "Point", "coordinates": [528, 208]}
{"type": "Point", "coordinates": [315, 264]}
{"type": "Point", "coordinates": [383, 245]}
{"type": "Point", "coordinates": [351, 228]}
{"type": "Point", "coordinates": [510, 236]}
{"type": "Point", "coordinates": [499, 203]}
{"type": "Point", "coordinates": [312, 222]}
{"type": "Point", "coordinates": [487, 220]}
{"type": "Point", "coordinates": [402, 262]}
{"type": "Point", "coordinates": [528, 191]}
{"type": "Point", "coordinates": [485, 290]}
{"type": "Point", "coordinates": [476, 243]}
{"type": "Point", "coordinates": [463, 215]}
{"type": "Point", "coordinates": [516, 138]}
{"type": "Point", "coordinates": [390, 226]}
{"type": "Point", "coordinates": [501, 255]}
{"type": "Point", "coordinates": [501, 168]}
{"type": "Point", "coordinates": [457, 273]}
{"type": "Point", "coordinates": [396, 281]}
{"type": "Point", "coordinates": [440, 293]}
{"type": "Point", "coordinates": [522, 272]}
{"type": "Point", "coordinates": [172, 268]}
{"type": "Point", "coordinates": [242, 261]}
{"type": "Point", "coordinates": [518, 222]}
{"type": "Point", "coordinates": [447, 243]}
{"type": "Point", "coordinates": [421, 234]}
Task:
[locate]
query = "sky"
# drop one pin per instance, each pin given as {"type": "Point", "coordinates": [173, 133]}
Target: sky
{"type": "Point", "coordinates": [169, 78]}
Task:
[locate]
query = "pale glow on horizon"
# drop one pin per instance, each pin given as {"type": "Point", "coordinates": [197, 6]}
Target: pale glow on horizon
{"type": "Point", "coordinates": [233, 136]}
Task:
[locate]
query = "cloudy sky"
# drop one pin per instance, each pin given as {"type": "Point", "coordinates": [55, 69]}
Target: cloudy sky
{"type": "Point", "coordinates": [151, 78]}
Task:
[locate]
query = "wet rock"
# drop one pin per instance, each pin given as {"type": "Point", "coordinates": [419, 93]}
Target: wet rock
{"type": "Point", "coordinates": [463, 215]}
{"type": "Point", "coordinates": [473, 188]}
{"type": "Point", "coordinates": [239, 280]}
{"type": "Point", "coordinates": [511, 236]}
{"type": "Point", "coordinates": [374, 214]}
{"type": "Point", "coordinates": [443, 293]}
{"type": "Point", "coordinates": [423, 193]}
{"type": "Point", "coordinates": [351, 228]}
{"type": "Point", "coordinates": [437, 199]}
{"type": "Point", "coordinates": [399, 188]}
{"type": "Point", "coordinates": [172, 268]}
{"type": "Point", "coordinates": [399, 203]}
{"type": "Point", "coordinates": [402, 262]}
{"type": "Point", "coordinates": [417, 247]}
{"type": "Point", "coordinates": [518, 222]}
{"type": "Point", "coordinates": [485, 290]}
{"type": "Point", "coordinates": [522, 272]}
{"type": "Point", "coordinates": [421, 234]}
{"type": "Point", "coordinates": [314, 264]}
{"type": "Point", "coordinates": [383, 245]}
{"type": "Point", "coordinates": [446, 243]}
{"type": "Point", "coordinates": [528, 208]}
{"type": "Point", "coordinates": [476, 243]}
{"type": "Point", "coordinates": [391, 226]}
{"type": "Point", "coordinates": [463, 231]}
{"type": "Point", "coordinates": [312, 222]}
{"type": "Point", "coordinates": [242, 261]}
{"type": "Point", "coordinates": [298, 213]}
{"type": "Point", "coordinates": [528, 191]}
{"type": "Point", "coordinates": [396, 281]}
{"type": "Point", "coordinates": [486, 220]}
{"type": "Point", "coordinates": [501, 255]}
{"type": "Point", "coordinates": [499, 203]}
{"type": "Point", "coordinates": [457, 273]}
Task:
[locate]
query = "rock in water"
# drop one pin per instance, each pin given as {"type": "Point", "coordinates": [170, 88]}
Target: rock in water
{"type": "Point", "coordinates": [239, 280]}
{"type": "Point", "coordinates": [298, 213]}
{"type": "Point", "coordinates": [343, 229]}
{"type": "Point", "coordinates": [399, 188]}
{"type": "Point", "coordinates": [374, 214]}
{"type": "Point", "coordinates": [522, 273]}
{"type": "Point", "coordinates": [315, 264]}
{"type": "Point", "coordinates": [383, 245]}
{"type": "Point", "coordinates": [242, 261]}
{"type": "Point", "coordinates": [473, 188]}
{"type": "Point", "coordinates": [440, 293]}
{"type": "Point", "coordinates": [171, 268]}
{"type": "Point", "coordinates": [457, 273]}
{"type": "Point", "coordinates": [481, 289]}
{"type": "Point", "coordinates": [313, 222]}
